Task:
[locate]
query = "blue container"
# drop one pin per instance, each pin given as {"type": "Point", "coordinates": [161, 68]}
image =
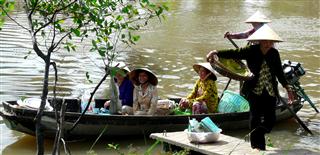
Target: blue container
{"type": "Point", "coordinates": [232, 102]}
{"type": "Point", "coordinates": [209, 125]}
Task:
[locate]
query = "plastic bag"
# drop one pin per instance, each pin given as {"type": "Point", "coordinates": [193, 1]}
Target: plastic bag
{"type": "Point", "coordinates": [178, 111]}
{"type": "Point", "coordinates": [115, 103]}
{"type": "Point", "coordinates": [85, 100]}
{"type": "Point", "coordinates": [203, 137]}
{"type": "Point", "coordinates": [194, 126]}
{"type": "Point", "coordinates": [165, 107]}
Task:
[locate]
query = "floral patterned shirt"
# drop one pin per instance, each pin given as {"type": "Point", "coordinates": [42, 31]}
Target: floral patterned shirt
{"type": "Point", "coordinates": [206, 92]}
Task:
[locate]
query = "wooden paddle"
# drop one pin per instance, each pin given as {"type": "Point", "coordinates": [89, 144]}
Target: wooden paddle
{"type": "Point", "coordinates": [235, 45]}
{"type": "Point", "coordinates": [282, 100]}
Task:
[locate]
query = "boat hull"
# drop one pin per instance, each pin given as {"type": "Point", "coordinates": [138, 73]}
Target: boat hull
{"type": "Point", "coordinates": [92, 125]}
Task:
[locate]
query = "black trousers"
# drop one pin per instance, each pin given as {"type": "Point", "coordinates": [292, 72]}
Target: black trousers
{"type": "Point", "coordinates": [262, 118]}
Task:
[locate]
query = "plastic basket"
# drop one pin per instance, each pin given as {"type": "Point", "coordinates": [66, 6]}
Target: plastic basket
{"type": "Point", "coordinates": [232, 102]}
{"type": "Point", "coordinates": [234, 69]}
{"type": "Point", "coordinates": [209, 125]}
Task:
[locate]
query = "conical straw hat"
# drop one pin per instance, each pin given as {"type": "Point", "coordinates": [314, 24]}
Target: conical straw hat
{"type": "Point", "coordinates": [258, 17]}
{"type": "Point", "coordinates": [265, 33]}
{"type": "Point", "coordinates": [134, 76]}
{"type": "Point", "coordinates": [207, 66]}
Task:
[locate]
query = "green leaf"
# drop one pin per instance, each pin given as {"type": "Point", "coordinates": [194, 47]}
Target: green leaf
{"type": "Point", "coordinates": [135, 11]}
{"type": "Point", "coordinates": [165, 6]}
{"type": "Point", "coordinates": [94, 43]}
{"type": "Point", "coordinates": [135, 38]}
{"type": "Point", "coordinates": [25, 57]}
{"type": "Point", "coordinates": [43, 34]}
{"type": "Point", "coordinates": [68, 48]}
{"type": "Point", "coordinates": [76, 32]}
{"type": "Point", "coordinates": [152, 5]}
{"type": "Point", "coordinates": [113, 71]}
{"type": "Point", "coordinates": [159, 11]}
{"type": "Point", "coordinates": [119, 18]}
{"type": "Point", "coordinates": [110, 47]}
{"type": "Point", "coordinates": [61, 21]}
{"type": "Point", "coordinates": [152, 147]}
{"type": "Point", "coordinates": [125, 10]}
{"type": "Point", "coordinates": [88, 77]}
{"type": "Point", "coordinates": [22, 98]}
{"type": "Point", "coordinates": [102, 53]}
{"type": "Point", "coordinates": [145, 1]}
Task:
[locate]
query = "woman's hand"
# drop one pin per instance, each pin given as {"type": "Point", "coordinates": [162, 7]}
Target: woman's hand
{"type": "Point", "coordinates": [183, 104]}
{"type": "Point", "coordinates": [212, 56]}
{"type": "Point", "coordinates": [106, 104]}
{"type": "Point", "coordinates": [227, 35]}
{"type": "Point", "coordinates": [291, 95]}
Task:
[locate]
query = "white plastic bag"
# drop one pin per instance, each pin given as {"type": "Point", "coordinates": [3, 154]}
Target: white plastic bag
{"type": "Point", "coordinates": [202, 137]}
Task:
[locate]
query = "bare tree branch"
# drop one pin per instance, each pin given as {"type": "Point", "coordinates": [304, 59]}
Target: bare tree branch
{"type": "Point", "coordinates": [84, 111]}
{"type": "Point", "coordinates": [54, 35]}
{"type": "Point", "coordinates": [54, 101]}
{"type": "Point", "coordinates": [58, 43]}
{"type": "Point", "coordinates": [31, 31]}
{"type": "Point", "coordinates": [66, 148]}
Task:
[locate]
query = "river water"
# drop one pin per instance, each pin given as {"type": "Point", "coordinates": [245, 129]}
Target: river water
{"type": "Point", "coordinates": [170, 48]}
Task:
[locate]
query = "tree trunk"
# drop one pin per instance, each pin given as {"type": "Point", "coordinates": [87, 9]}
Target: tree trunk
{"type": "Point", "coordinates": [39, 127]}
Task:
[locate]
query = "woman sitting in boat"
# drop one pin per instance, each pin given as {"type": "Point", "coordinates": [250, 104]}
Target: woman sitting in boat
{"type": "Point", "coordinates": [145, 95]}
{"type": "Point", "coordinates": [204, 96]}
{"type": "Point", "coordinates": [124, 88]}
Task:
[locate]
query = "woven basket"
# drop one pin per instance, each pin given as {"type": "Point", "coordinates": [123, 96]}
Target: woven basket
{"type": "Point", "coordinates": [232, 102]}
{"type": "Point", "coordinates": [234, 69]}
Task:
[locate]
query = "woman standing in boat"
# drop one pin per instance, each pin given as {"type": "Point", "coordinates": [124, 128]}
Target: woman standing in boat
{"type": "Point", "coordinates": [145, 95]}
{"type": "Point", "coordinates": [257, 20]}
{"type": "Point", "coordinates": [204, 96]}
{"type": "Point", "coordinates": [264, 62]}
{"type": "Point", "coordinates": [124, 88]}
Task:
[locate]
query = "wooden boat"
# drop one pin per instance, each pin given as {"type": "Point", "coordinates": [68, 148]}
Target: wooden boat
{"type": "Point", "coordinates": [91, 125]}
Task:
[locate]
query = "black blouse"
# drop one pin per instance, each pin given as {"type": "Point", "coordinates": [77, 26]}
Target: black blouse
{"type": "Point", "coordinates": [254, 57]}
